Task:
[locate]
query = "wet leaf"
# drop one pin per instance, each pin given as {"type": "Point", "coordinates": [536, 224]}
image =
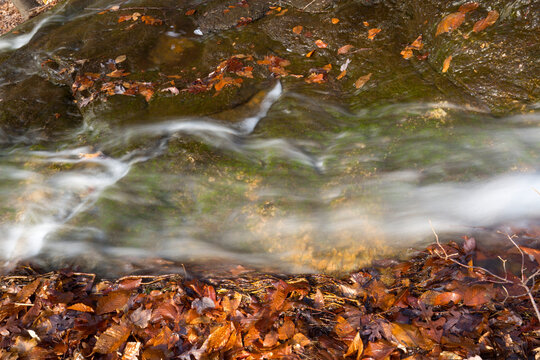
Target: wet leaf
{"type": "Point", "coordinates": [344, 49]}
{"type": "Point", "coordinates": [468, 7]}
{"type": "Point", "coordinates": [335, 21]}
{"type": "Point", "coordinates": [314, 78]}
{"type": "Point", "coordinates": [362, 80]}
{"type": "Point", "coordinates": [534, 254]}
{"type": "Point", "coordinates": [190, 12]}
{"type": "Point", "coordinates": [446, 297]}
{"type": "Point", "coordinates": [130, 284]}
{"type": "Point", "coordinates": [378, 350]}
{"type": "Point", "coordinates": [119, 59]}
{"type": "Point", "coordinates": [489, 20]}
{"type": "Point", "coordinates": [111, 339]}
{"type": "Point", "coordinates": [341, 75]}
{"type": "Point", "coordinates": [450, 22]}
{"type": "Point", "coordinates": [446, 64]}
{"type": "Point", "coordinates": [81, 307]}
{"type": "Point", "coordinates": [477, 295]}
{"type": "Point", "coordinates": [117, 73]}
{"type": "Point", "coordinates": [310, 53]}
{"type": "Point", "coordinates": [321, 44]}
{"type": "Point", "coordinates": [372, 33]}
{"type": "Point", "coordinates": [150, 20]}
{"type": "Point", "coordinates": [297, 29]}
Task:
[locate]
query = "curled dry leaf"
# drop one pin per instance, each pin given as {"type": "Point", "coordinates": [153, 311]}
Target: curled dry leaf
{"type": "Point", "coordinates": [362, 80]}
{"type": "Point", "coordinates": [131, 351]}
{"type": "Point", "coordinates": [489, 20]}
{"type": "Point", "coordinates": [450, 22]}
{"type": "Point", "coordinates": [372, 33]}
{"type": "Point", "coordinates": [446, 64]}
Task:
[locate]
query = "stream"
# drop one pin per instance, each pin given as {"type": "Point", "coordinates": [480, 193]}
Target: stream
{"type": "Point", "coordinates": [277, 173]}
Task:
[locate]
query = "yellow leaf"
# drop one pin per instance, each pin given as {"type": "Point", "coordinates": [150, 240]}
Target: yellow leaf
{"type": "Point", "coordinates": [446, 64]}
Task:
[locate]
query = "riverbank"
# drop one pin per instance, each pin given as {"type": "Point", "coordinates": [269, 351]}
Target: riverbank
{"type": "Point", "coordinates": [11, 18]}
{"type": "Point", "coordinates": [441, 304]}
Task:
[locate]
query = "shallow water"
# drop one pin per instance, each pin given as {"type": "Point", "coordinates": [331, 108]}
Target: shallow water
{"type": "Point", "coordinates": [305, 182]}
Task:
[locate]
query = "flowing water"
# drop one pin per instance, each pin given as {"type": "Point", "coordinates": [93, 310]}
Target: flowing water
{"type": "Point", "coordinates": [299, 180]}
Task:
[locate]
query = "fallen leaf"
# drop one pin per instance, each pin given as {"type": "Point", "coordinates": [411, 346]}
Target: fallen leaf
{"type": "Point", "coordinates": [356, 347]}
{"type": "Point", "coordinates": [446, 64]}
{"type": "Point", "coordinates": [301, 339]}
{"type": "Point", "coordinates": [335, 21]}
{"type": "Point", "coordinates": [310, 53]}
{"type": "Point", "coordinates": [378, 350]}
{"type": "Point", "coordinates": [190, 12]}
{"type": "Point", "coordinates": [314, 78]}
{"type": "Point", "coordinates": [140, 317]}
{"type": "Point", "coordinates": [111, 339]}
{"type": "Point", "coordinates": [365, 23]}
{"type": "Point", "coordinates": [271, 339]}
{"type": "Point", "coordinates": [406, 53]}
{"type": "Point", "coordinates": [342, 328]}
{"type": "Point", "coordinates": [446, 297]}
{"type": "Point", "coordinates": [286, 331]}
{"type": "Point", "coordinates": [173, 90]}
{"type": "Point", "coordinates": [219, 337]}
{"type": "Point", "coordinates": [117, 73]}
{"type": "Point", "coordinates": [81, 307]}
{"type": "Point", "coordinates": [131, 351]}
{"type": "Point", "coordinates": [344, 49]}
{"type": "Point", "coordinates": [533, 253]}
{"type": "Point", "coordinates": [465, 8]}
{"type": "Point", "coordinates": [450, 22]}
{"type": "Point", "coordinates": [120, 59]}
{"type": "Point", "coordinates": [417, 44]}
{"type": "Point", "coordinates": [297, 29]}
{"type": "Point", "coordinates": [372, 33]}
{"type": "Point", "coordinates": [341, 75]}
{"type": "Point", "coordinates": [113, 301]}
{"type": "Point", "coordinates": [477, 295]}
{"type": "Point", "coordinates": [150, 20]}
{"type": "Point", "coordinates": [489, 20]}
{"type": "Point", "coordinates": [321, 44]}
{"type": "Point", "coordinates": [362, 80]}
{"type": "Point", "coordinates": [282, 12]}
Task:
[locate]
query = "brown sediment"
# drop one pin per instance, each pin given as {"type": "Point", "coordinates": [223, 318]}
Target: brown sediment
{"type": "Point", "coordinates": [440, 304]}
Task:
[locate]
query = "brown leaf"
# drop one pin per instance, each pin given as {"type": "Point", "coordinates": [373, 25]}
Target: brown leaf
{"type": "Point", "coordinates": [356, 347]}
{"type": "Point", "coordinates": [450, 22]}
{"type": "Point", "coordinates": [446, 297]}
{"type": "Point", "coordinates": [297, 29]}
{"type": "Point", "coordinates": [190, 12]}
{"type": "Point", "coordinates": [321, 44]}
{"type": "Point", "coordinates": [301, 339]}
{"type": "Point", "coordinates": [372, 33]}
{"type": "Point", "coordinates": [140, 317]}
{"type": "Point", "coordinates": [362, 80]}
{"type": "Point", "coordinates": [113, 301]}
{"type": "Point", "coordinates": [81, 307]}
{"type": "Point", "coordinates": [465, 8]}
{"type": "Point", "coordinates": [28, 290]}
{"type": "Point", "coordinates": [314, 78]}
{"type": "Point", "coordinates": [344, 49]}
{"type": "Point", "coordinates": [117, 73]}
{"type": "Point", "coordinates": [477, 295]}
{"type": "Point", "coordinates": [131, 351]}
{"type": "Point", "coordinates": [219, 337]}
{"type": "Point", "coordinates": [111, 339]}
{"type": "Point", "coordinates": [446, 64]}
{"type": "Point", "coordinates": [286, 331]}
{"type": "Point", "coordinates": [271, 339]}
{"type": "Point", "coordinates": [150, 20]}
{"type": "Point", "coordinates": [343, 328]}
{"type": "Point", "coordinates": [489, 20]}
{"type": "Point", "coordinates": [130, 284]}
{"type": "Point", "coordinates": [318, 299]}
{"type": "Point", "coordinates": [409, 335]}
{"type": "Point", "coordinates": [378, 350]}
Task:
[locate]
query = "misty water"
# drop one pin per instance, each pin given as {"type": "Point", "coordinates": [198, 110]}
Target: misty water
{"type": "Point", "coordinates": [303, 179]}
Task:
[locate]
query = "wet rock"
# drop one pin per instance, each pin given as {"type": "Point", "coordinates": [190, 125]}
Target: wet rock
{"type": "Point", "coordinates": [36, 109]}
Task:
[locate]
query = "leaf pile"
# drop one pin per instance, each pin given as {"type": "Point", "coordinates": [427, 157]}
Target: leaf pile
{"type": "Point", "coordinates": [425, 308]}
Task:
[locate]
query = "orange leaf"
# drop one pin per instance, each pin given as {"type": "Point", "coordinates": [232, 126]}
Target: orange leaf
{"type": "Point", "coordinates": [149, 20]}
{"type": "Point", "coordinates": [378, 350]}
{"type": "Point", "coordinates": [286, 331]}
{"type": "Point", "coordinates": [315, 78]}
{"type": "Point", "coordinates": [356, 347]}
{"type": "Point", "coordinates": [124, 18]}
{"type": "Point", "coordinates": [131, 351]}
{"type": "Point", "coordinates": [489, 20]}
{"type": "Point", "coordinates": [362, 80]}
{"type": "Point", "coordinates": [117, 73]}
{"type": "Point", "coordinates": [477, 295]}
{"type": "Point", "coordinates": [417, 44]}
{"type": "Point", "coordinates": [343, 328]}
{"type": "Point", "coordinates": [365, 23]}
{"type": "Point", "coordinates": [446, 64]}
{"type": "Point", "coordinates": [271, 339]}
{"type": "Point", "coordinates": [533, 253]}
{"type": "Point", "coordinates": [344, 49]}
{"type": "Point", "coordinates": [310, 53]}
{"type": "Point", "coordinates": [372, 33]}
{"type": "Point", "coordinates": [219, 337]}
{"type": "Point", "coordinates": [321, 44]}
{"type": "Point", "coordinates": [301, 339]}
{"type": "Point", "coordinates": [445, 298]}
{"type": "Point", "coordinates": [450, 22]}
{"type": "Point", "coordinates": [81, 307]}
{"type": "Point", "coordinates": [111, 339]}
{"type": "Point", "coordinates": [465, 8]}
{"type": "Point", "coordinates": [190, 12]}
{"type": "Point", "coordinates": [297, 29]}
{"type": "Point", "coordinates": [341, 75]}
{"type": "Point", "coordinates": [406, 53]}
{"type": "Point", "coordinates": [335, 21]}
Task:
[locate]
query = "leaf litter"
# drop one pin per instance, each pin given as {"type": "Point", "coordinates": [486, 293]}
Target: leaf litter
{"type": "Point", "coordinates": [428, 307]}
